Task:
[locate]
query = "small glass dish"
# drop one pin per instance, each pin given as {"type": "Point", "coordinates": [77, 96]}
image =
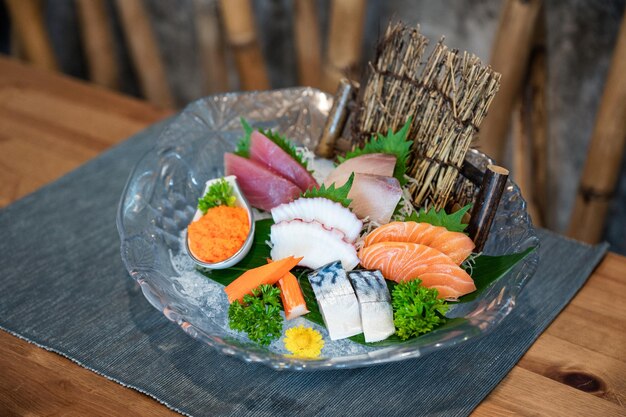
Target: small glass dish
{"type": "Point", "coordinates": [240, 201]}
{"type": "Point", "coordinates": [160, 200]}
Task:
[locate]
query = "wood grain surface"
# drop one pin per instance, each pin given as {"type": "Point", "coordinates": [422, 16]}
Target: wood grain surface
{"type": "Point", "coordinates": [50, 124]}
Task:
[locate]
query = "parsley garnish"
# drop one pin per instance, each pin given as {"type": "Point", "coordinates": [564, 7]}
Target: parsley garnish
{"type": "Point", "coordinates": [258, 315]}
{"type": "Point", "coordinates": [393, 144]}
{"type": "Point", "coordinates": [416, 309]}
{"type": "Point", "coordinates": [339, 195]}
{"type": "Point", "coordinates": [220, 193]}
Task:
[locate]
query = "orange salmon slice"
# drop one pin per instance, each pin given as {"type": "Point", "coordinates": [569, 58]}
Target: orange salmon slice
{"type": "Point", "coordinates": [456, 245]}
{"type": "Point", "coordinates": [405, 261]}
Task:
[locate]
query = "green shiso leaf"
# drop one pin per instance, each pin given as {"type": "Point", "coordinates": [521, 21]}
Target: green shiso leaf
{"type": "Point", "coordinates": [393, 144]}
{"type": "Point", "coordinates": [452, 222]}
{"type": "Point", "coordinates": [243, 146]}
{"type": "Point", "coordinates": [339, 195]}
{"type": "Point", "coordinates": [486, 271]}
{"type": "Point", "coordinates": [220, 193]}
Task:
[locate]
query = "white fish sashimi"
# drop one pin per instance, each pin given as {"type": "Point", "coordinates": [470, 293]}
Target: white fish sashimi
{"type": "Point", "coordinates": [371, 163]}
{"type": "Point", "coordinates": [317, 244]}
{"type": "Point", "coordinates": [325, 211]}
{"type": "Point", "coordinates": [337, 302]}
{"type": "Point", "coordinates": [375, 197]}
{"type": "Point", "coordinates": [375, 304]}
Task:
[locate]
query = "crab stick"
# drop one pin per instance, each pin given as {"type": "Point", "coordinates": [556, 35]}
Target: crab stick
{"type": "Point", "coordinates": [253, 278]}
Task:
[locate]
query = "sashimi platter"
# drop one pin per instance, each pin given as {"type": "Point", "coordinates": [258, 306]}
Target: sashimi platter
{"type": "Point", "coordinates": [239, 229]}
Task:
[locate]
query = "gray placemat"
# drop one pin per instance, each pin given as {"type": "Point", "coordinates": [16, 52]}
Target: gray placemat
{"type": "Point", "coordinates": [63, 287]}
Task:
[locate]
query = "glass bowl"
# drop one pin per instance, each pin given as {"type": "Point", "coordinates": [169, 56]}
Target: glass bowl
{"type": "Point", "coordinates": [160, 199]}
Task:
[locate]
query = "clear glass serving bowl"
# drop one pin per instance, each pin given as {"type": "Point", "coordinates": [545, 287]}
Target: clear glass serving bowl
{"type": "Point", "coordinates": [160, 198]}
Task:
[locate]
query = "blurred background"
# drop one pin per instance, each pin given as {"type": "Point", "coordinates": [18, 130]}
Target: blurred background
{"type": "Point", "coordinates": [560, 61]}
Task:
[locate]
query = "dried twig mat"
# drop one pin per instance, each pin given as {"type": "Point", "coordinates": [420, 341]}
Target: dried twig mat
{"type": "Point", "coordinates": [447, 98]}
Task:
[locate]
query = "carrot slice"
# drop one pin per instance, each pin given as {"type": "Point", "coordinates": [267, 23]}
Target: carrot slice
{"type": "Point", "coordinates": [291, 296]}
{"type": "Point", "coordinates": [266, 274]}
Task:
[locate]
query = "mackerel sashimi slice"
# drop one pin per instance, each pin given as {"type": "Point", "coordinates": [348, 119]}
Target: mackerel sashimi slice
{"type": "Point", "coordinates": [337, 301]}
{"type": "Point", "coordinates": [266, 152]}
{"type": "Point", "coordinates": [374, 197]}
{"type": "Point", "coordinates": [406, 261]}
{"type": "Point", "coordinates": [323, 210]}
{"type": "Point", "coordinates": [458, 246]}
{"type": "Point", "coordinates": [375, 304]}
{"type": "Point", "coordinates": [317, 244]}
{"type": "Point", "coordinates": [263, 188]}
{"type": "Point", "coordinates": [371, 163]}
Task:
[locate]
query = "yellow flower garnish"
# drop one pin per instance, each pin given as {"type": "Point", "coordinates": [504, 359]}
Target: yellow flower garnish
{"type": "Point", "coordinates": [303, 342]}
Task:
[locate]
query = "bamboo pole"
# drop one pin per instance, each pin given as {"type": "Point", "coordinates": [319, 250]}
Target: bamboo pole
{"type": "Point", "coordinates": [99, 44]}
{"type": "Point", "coordinates": [605, 154]}
{"type": "Point", "coordinates": [486, 205]}
{"type": "Point", "coordinates": [522, 162]}
{"type": "Point", "coordinates": [238, 20]}
{"type": "Point", "coordinates": [344, 41]}
{"type": "Point", "coordinates": [144, 52]}
{"type": "Point", "coordinates": [26, 16]}
{"type": "Point", "coordinates": [509, 57]}
{"type": "Point", "coordinates": [308, 49]}
{"type": "Point", "coordinates": [211, 44]}
{"type": "Point", "coordinates": [537, 85]}
{"type": "Point", "coordinates": [336, 120]}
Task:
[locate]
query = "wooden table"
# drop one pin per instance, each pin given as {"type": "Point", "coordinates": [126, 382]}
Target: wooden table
{"type": "Point", "coordinates": [50, 124]}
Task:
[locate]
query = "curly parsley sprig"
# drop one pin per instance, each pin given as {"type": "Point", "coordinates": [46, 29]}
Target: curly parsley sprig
{"type": "Point", "coordinates": [258, 315]}
{"type": "Point", "coordinates": [220, 193]}
{"type": "Point", "coordinates": [416, 309]}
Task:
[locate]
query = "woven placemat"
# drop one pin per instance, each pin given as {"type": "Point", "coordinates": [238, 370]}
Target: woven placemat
{"type": "Point", "coordinates": [63, 287]}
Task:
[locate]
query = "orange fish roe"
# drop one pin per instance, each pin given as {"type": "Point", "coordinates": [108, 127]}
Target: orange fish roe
{"type": "Point", "coordinates": [219, 234]}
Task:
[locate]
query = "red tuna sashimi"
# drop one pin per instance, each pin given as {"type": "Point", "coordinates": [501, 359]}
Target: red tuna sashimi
{"type": "Point", "coordinates": [371, 163]}
{"type": "Point", "coordinates": [266, 152]}
{"type": "Point", "coordinates": [375, 197]}
{"type": "Point", "coordinates": [263, 188]}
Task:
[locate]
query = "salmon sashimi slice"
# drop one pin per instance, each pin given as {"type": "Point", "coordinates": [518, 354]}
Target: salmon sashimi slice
{"type": "Point", "coordinates": [458, 246]}
{"type": "Point", "coordinates": [405, 261]}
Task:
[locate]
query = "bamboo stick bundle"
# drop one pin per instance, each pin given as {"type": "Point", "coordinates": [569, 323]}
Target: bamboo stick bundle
{"type": "Point", "coordinates": [606, 152]}
{"type": "Point", "coordinates": [447, 98]}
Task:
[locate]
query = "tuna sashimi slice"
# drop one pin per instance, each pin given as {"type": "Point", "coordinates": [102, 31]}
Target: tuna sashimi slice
{"type": "Point", "coordinates": [262, 188]}
{"type": "Point", "coordinates": [371, 163]}
{"type": "Point", "coordinates": [405, 261]}
{"type": "Point", "coordinates": [458, 246]}
{"type": "Point", "coordinates": [323, 210]}
{"type": "Point", "coordinates": [375, 197]}
{"type": "Point", "coordinates": [266, 152]}
{"type": "Point", "coordinates": [317, 244]}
